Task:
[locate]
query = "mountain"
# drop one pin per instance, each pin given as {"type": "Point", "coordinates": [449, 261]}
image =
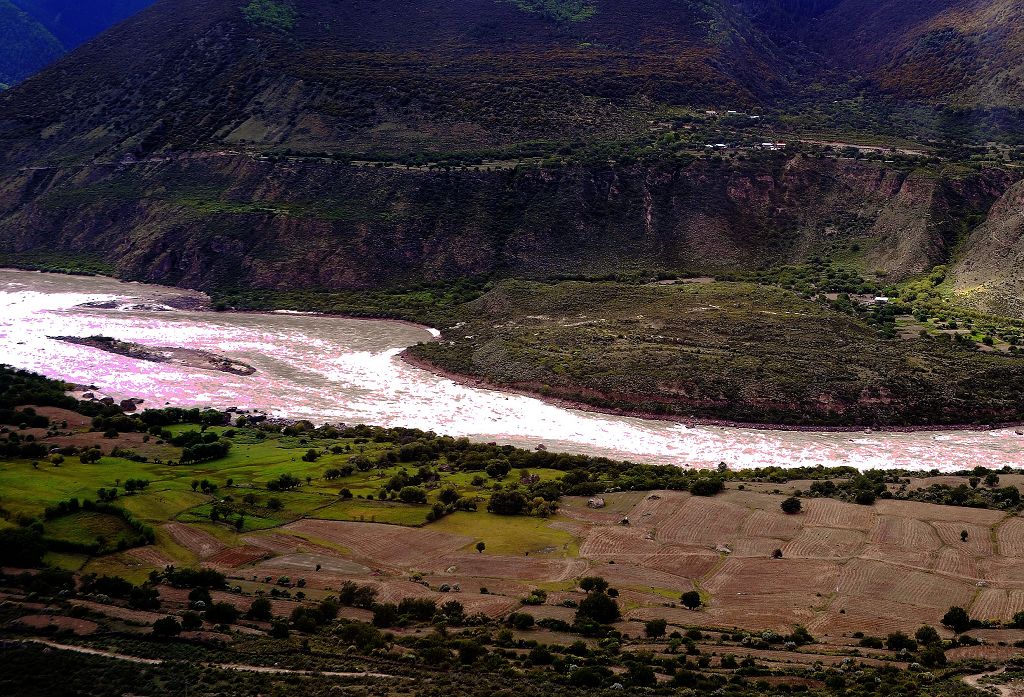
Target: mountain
{"type": "Point", "coordinates": [27, 45]}
{"type": "Point", "coordinates": [330, 145]}
{"type": "Point", "coordinates": [36, 32]}
{"type": "Point", "coordinates": [969, 52]}
{"type": "Point", "coordinates": [365, 74]}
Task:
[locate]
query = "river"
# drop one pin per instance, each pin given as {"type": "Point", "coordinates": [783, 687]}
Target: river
{"type": "Point", "coordinates": [331, 369]}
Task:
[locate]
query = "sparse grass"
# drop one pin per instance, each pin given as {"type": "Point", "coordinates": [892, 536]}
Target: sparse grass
{"type": "Point", "coordinates": [374, 512]}
{"type": "Point", "coordinates": [86, 527]}
{"type": "Point", "coordinates": [510, 535]}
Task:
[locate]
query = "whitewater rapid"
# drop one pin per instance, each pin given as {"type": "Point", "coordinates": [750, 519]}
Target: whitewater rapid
{"type": "Point", "coordinates": [330, 369]}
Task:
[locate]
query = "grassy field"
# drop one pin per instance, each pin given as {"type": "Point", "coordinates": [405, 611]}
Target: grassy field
{"type": "Point", "coordinates": [837, 568]}
{"type": "Point", "coordinates": [733, 351]}
{"type": "Point", "coordinates": [87, 527]}
{"type": "Point", "coordinates": [510, 536]}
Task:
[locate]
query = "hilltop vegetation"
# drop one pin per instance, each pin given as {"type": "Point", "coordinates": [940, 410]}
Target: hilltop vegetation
{"type": "Point", "coordinates": [726, 351]}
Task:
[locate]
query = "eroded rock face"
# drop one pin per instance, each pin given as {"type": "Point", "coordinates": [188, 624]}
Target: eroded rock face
{"type": "Point", "coordinates": [327, 226]}
{"type": "Point", "coordinates": [990, 272]}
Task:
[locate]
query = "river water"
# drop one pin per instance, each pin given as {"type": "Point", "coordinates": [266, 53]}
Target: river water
{"type": "Point", "coordinates": [329, 369]}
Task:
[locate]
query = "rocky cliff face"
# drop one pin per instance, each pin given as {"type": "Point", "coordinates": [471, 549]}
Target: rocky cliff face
{"type": "Point", "coordinates": [990, 272]}
{"type": "Point", "coordinates": [214, 220]}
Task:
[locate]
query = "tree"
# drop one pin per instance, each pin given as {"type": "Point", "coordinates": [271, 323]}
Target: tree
{"type": "Point", "coordinates": [167, 626]}
{"type": "Point", "coordinates": [707, 486]}
{"type": "Point", "coordinates": [933, 656]}
{"type": "Point", "coordinates": [480, 547]}
{"type": "Point", "coordinates": [279, 629]}
{"type": "Point", "coordinates": [385, 614]}
{"type": "Point", "coordinates": [222, 613]}
{"type": "Point", "coordinates": [190, 621]}
{"type": "Point", "coordinates": [898, 641]}
{"type": "Point", "coordinates": [598, 607]}
{"type": "Point", "coordinates": [777, 554]}
{"type": "Point", "coordinates": [507, 502]}
{"type": "Point", "coordinates": [691, 599]}
{"type": "Point", "coordinates": [963, 536]}
{"type": "Point", "coordinates": [956, 618]}
{"type": "Point", "coordinates": [412, 494]}
{"type": "Point", "coordinates": [865, 497]}
{"type": "Point", "coordinates": [791, 505]}
{"type": "Point", "coordinates": [927, 635]}
{"type": "Point", "coordinates": [260, 609]}
{"type": "Point", "coordinates": [655, 628]}
{"type": "Point", "coordinates": [21, 547]}
{"type": "Point", "coordinates": [593, 583]}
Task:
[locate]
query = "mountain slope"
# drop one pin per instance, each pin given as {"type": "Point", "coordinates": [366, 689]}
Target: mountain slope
{"type": "Point", "coordinates": [26, 47]}
{"type": "Point", "coordinates": [204, 141]}
{"type": "Point", "coordinates": [37, 32]}
{"type": "Point", "coordinates": [968, 51]}
{"type": "Point", "coordinates": [359, 74]}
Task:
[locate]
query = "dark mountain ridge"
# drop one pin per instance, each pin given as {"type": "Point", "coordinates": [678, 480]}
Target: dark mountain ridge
{"type": "Point", "coordinates": [36, 32]}
{"type": "Point", "coordinates": [213, 140]}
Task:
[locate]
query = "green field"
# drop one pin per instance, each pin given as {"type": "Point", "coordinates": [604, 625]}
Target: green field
{"type": "Point", "coordinates": [242, 502]}
{"type": "Point", "coordinates": [511, 535]}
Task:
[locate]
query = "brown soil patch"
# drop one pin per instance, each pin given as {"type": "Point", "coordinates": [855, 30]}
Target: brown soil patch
{"type": "Point", "coordinates": [62, 623]}
{"type": "Point", "coordinates": [236, 556]}
{"type": "Point", "coordinates": [150, 556]}
{"type": "Point", "coordinates": [500, 567]}
{"type": "Point", "coordinates": [120, 613]}
{"type": "Point", "coordinates": [388, 545]}
{"type": "Point", "coordinates": [199, 542]}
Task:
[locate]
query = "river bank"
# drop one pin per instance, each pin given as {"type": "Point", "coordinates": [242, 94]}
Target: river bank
{"type": "Point", "coordinates": [481, 383]}
{"type": "Point", "coordinates": [328, 369]}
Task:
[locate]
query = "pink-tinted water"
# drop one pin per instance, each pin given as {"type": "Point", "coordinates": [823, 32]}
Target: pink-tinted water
{"type": "Point", "coordinates": [329, 369]}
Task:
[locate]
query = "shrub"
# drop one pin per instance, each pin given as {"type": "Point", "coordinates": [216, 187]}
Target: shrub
{"type": "Point", "coordinates": [167, 626]}
{"type": "Point", "coordinates": [598, 607]}
{"type": "Point", "coordinates": [956, 618]}
{"type": "Point", "coordinates": [655, 628]}
{"type": "Point", "coordinates": [791, 505]}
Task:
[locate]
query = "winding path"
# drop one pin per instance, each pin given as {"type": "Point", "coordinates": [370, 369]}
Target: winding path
{"type": "Point", "coordinates": [221, 666]}
{"type": "Point", "coordinates": [1002, 690]}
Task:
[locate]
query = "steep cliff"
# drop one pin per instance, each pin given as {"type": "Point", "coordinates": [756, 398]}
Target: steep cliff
{"type": "Point", "coordinates": [215, 220]}
{"type": "Point", "coordinates": [990, 271]}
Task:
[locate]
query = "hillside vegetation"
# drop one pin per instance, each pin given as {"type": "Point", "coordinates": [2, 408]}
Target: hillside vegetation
{"type": "Point", "coordinates": [721, 350]}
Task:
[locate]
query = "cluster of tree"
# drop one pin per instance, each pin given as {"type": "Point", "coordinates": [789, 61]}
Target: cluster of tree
{"type": "Point", "coordinates": [19, 387]}
{"type": "Point", "coordinates": [144, 597]}
{"type": "Point", "coordinates": [284, 483]}
{"type": "Point", "coordinates": [865, 488]}
{"type": "Point", "coordinates": [23, 418]}
{"type": "Point", "coordinates": [411, 610]}
{"type": "Point", "coordinates": [205, 452]}
{"type": "Point", "coordinates": [209, 579]}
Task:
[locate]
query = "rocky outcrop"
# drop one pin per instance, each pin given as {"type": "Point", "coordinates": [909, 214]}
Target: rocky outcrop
{"type": "Point", "coordinates": [990, 273]}
{"type": "Point", "coordinates": [207, 222]}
